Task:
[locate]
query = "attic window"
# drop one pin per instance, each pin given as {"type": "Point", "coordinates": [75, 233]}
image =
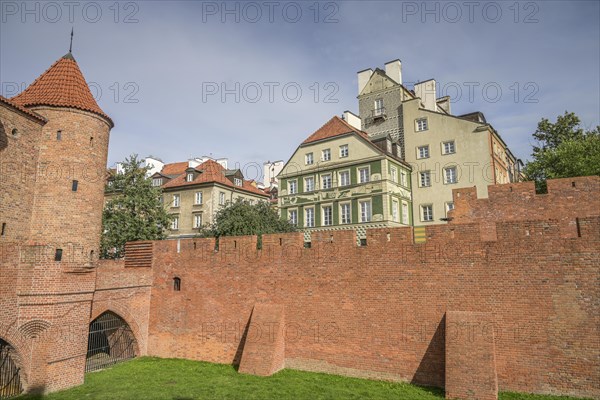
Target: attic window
{"type": "Point", "coordinates": [156, 181]}
{"type": "Point", "coordinates": [189, 177]}
{"type": "Point", "coordinates": [237, 181]}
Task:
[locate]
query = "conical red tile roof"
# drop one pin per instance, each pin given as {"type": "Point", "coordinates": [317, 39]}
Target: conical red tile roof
{"type": "Point", "coordinates": [62, 85]}
{"type": "Point", "coordinates": [334, 127]}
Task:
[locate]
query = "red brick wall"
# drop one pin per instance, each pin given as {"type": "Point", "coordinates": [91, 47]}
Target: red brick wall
{"type": "Point", "coordinates": [377, 311]}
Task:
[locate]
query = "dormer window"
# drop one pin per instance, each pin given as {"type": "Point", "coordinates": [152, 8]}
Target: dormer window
{"type": "Point", "coordinates": [156, 181]}
{"type": "Point", "coordinates": [189, 177]}
{"type": "Point", "coordinates": [237, 181]}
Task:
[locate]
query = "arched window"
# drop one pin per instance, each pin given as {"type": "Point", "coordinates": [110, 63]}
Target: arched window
{"type": "Point", "coordinates": [177, 284]}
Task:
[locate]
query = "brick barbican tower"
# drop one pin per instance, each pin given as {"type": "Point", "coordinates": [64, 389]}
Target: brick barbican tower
{"type": "Point", "coordinates": [53, 153]}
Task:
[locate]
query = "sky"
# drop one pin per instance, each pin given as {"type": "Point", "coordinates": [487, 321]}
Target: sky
{"type": "Point", "coordinates": [248, 81]}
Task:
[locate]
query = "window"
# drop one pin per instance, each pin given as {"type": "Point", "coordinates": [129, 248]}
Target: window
{"type": "Point", "coordinates": [326, 181]}
{"type": "Point", "coordinates": [389, 146]}
{"type": "Point", "coordinates": [425, 178]}
{"type": "Point", "coordinates": [58, 135]}
{"type": "Point", "coordinates": [395, 211]}
{"type": "Point", "coordinates": [156, 181]}
{"type": "Point", "coordinates": [448, 147]}
{"type": "Point", "coordinates": [74, 186]}
{"type": "Point", "coordinates": [405, 213]}
{"type": "Point", "coordinates": [310, 217]}
{"type": "Point", "coordinates": [449, 206]}
{"type": "Point", "coordinates": [177, 284]}
{"type": "Point", "coordinates": [344, 178]}
{"type": "Point", "coordinates": [450, 175]}
{"type": "Point", "coordinates": [237, 181]}
{"type": "Point", "coordinates": [293, 217]}
{"type": "Point", "coordinates": [221, 198]}
{"type": "Point", "coordinates": [58, 255]}
{"type": "Point", "coordinates": [198, 198]}
{"type": "Point", "coordinates": [421, 124]}
{"type": "Point", "coordinates": [308, 159]}
{"type": "Point", "coordinates": [327, 215]}
{"type": "Point", "coordinates": [3, 228]}
{"type": "Point", "coordinates": [309, 184]}
{"type": "Point", "coordinates": [363, 175]}
{"type": "Point", "coordinates": [293, 186]}
{"type": "Point", "coordinates": [175, 200]}
{"type": "Point", "coordinates": [403, 180]}
{"type": "Point", "coordinates": [326, 155]}
{"type": "Point", "coordinates": [394, 174]}
{"type": "Point", "coordinates": [379, 110]}
{"type": "Point", "coordinates": [423, 152]}
{"type": "Point", "coordinates": [190, 177]}
{"type": "Point", "coordinates": [345, 213]}
{"type": "Point", "coordinates": [197, 220]}
{"type": "Point", "coordinates": [427, 212]}
{"type": "Point", "coordinates": [343, 151]}
{"type": "Point", "coordinates": [365, 210]}
{"type": "Point", "coordinates": [175, 223]}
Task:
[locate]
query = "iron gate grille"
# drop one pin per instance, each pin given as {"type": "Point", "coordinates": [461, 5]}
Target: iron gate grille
{"type": "Point", "coordinates": [10, 380]}
{"type": "Point", "coordinates": [110, 341]}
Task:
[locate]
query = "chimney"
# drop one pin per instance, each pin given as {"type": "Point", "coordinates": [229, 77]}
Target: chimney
{"type": "Point", "coordinates": [427, 92]}
{"type": "Point", "coordinates": [352, 119]}
{"type": "Point", "coordinates": [363, 78]}
{"type": "Point", "coordinates": [393, 69]}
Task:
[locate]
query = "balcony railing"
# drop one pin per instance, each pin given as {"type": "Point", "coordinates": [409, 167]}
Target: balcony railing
{"type": "Point", "coordinates": [379, 113]}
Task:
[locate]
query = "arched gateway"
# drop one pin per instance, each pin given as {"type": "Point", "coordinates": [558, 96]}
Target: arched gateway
{"type": "Point", "coordinates": [110, 341]}
{"type": "Point", "coordinates": [10, 378]}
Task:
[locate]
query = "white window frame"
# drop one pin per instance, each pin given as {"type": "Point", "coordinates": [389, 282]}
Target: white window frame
{"type": "Point", "coordinates": [421, 124]}
{"type": "Point", "coordinates": [189, 177]}
{"type": "Point", "coordinates": [156, 182]}
{"type": "Point", "coordinates": [198, 198]}
{"type": "Point", "coordinates": [344, 151]}
{"type": "Point", "coordinates": [423, 151]}
{"type": "Point", "coordinates": [309, 223]}
{"type": "Point", "coordinates": [368, 177]}
{"type": "Point", "coordinates": [426, 174]}
{"type": "Point", "coordinates": [323, 181]}
{"type": "Point", "coordinates": [326, 219]}
{"type": "Point", "coordinates": [403, 178]}
{"type": "Point", "coordinates": [343, 220]}
{"type": "Point", "coordinates": [293, 216]}
{"type": "Point", "coordinates": [222, 198]}
{"type": "Point", "coordinates": [237, 182]}
{"type": "Point", "coordinates": [449, 205]}
{"type": "Point", "coordinates": [306, 180]}
{"type": "Point", "coordinates": [366, 210]}
{"type": "Point", "coordinates": [326, 154]}
{"type": "Point", "coordinates": [395, 210]}
{"type": "Point", "coordinates": [347, 173]}
{"type": "Point", "coordinates": [175, 223]}
{"type": "Point", "coordinates": [405, 213]}
{"type": "Point", "coordinates": [426, 216]}
{"type": "Point", "coordinates": [309, 159]}
{"type": "Point", "coordinates": [292, 186]}
{"type": "Point", "coordinates": [378, 107]}
{"type": "Point", "coordinates": [450, 177]}
{"type": "Point", "coordinates": [394, 173]}
{"type": "Point", "coordinates": [197, 221]}
{"type": "Point", "coordinates": [176, 200]}
{"type": "Point", "coordinates": [444, 150]}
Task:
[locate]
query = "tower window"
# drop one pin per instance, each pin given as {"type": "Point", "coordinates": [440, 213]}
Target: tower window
{"type": "Point", "coordinates": [58, 255]}
{"type": "Point", "coordinates": [74, 186]}
{"type": "Point", "coordinates": [3, 228]}
{"type": "Point", "coordinates": [91, 141]}
{"type": "Point", "coordinates": [177, 284]}
{"type": "Point", "coordinates": [58, 135]}
{"type": "Point", "coordinates": [15, 132]}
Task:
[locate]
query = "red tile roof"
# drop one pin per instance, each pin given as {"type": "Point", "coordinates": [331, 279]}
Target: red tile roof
{"type": "Point", "coordinates": [210, 172]}
{"type": "Point", "coordinates": [62, 85]}
{"type": "Point", "coordinates": [174, 168]}
{"type": "Point", "coordinates": [334, 127]}
{"type": "Point", "coordinates": [22, 109]}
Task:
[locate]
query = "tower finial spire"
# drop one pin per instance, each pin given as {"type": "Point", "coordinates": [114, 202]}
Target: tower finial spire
{"type": "Point", "coordinates": [71, 45]}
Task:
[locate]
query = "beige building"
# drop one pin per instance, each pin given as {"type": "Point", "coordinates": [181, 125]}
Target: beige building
{"type": "Point", "coordinates": [339, 178]}
{"type": "Point", "coordinates": [193, 192]}
{"type": "Point", "coordinates": [444, 151]}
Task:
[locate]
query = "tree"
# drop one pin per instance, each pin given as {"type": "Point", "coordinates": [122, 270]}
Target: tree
{"type": "Point", "coordinates": [564, 149]}
{"type": "Point", "coordinates": [242, 218]}
{"type": "Point", "coordinates": [135, 213]}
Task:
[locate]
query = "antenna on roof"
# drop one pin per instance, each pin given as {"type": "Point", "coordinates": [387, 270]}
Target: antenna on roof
{"type": "Point", "coordinates": [71, 45]}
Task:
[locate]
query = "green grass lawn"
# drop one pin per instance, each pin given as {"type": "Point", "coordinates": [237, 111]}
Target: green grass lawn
{"type": "Point", "coordinates": [170, 379]}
